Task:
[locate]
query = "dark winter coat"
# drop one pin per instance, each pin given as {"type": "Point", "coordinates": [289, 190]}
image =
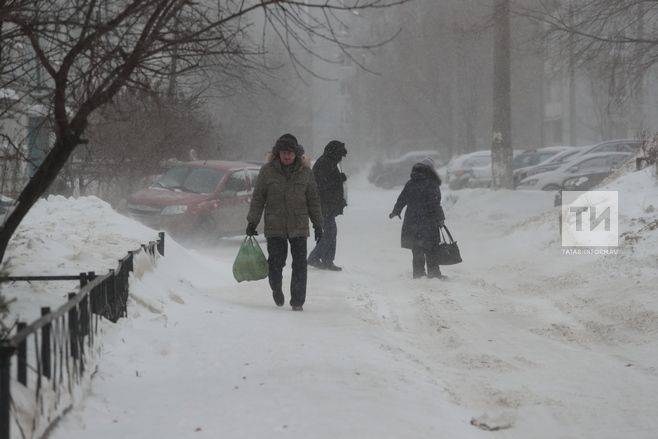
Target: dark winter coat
{"type": "Point", "coordinates": [422, 197]}
{"type": "Point", "coordinates": [288, 199]}
{"type": "Point", "coordinates": [330, 179]}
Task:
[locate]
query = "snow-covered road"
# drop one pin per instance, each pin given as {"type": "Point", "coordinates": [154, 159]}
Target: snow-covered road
{"type": "Point", "coordinates": [520, 336]}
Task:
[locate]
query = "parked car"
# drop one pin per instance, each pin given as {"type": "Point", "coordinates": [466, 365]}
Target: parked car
{"type": "Point", "coordinates": [390, 173]}
{"type": "Point", "coordinates": [551, 157]}
{"type": "Point", "coordinates": [619, 145]}
{"type": "Point", "coordinates": [469, 170]}
{"type": "Point", "coordinates": [472, 170]}
{"type": "Point", "coordinates": [532, 157]}
{"type": "Point", "coordinates": [200, 199]}
{"type": "Point", "coordinates": [590, 164]}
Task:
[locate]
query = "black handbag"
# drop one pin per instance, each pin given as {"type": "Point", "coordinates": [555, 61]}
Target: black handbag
{"type": "Point", "coordinates": [448, 251]}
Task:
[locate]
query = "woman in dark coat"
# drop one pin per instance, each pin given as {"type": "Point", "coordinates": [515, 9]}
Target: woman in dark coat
{"type": "Point", "coordinates": [422, 219]}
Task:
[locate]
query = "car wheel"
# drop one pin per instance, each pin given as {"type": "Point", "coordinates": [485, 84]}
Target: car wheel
{"type": "Point", "coordinates": [456, 185]}
{"type": "Point", "coordinates": [551, 187]}
{"type": "Point", "coordinates": [205, 231]}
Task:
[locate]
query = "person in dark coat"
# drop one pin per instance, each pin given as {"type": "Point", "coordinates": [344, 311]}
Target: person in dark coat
{"type": "Point", "coordinates": [332, 197]}
{"type": "Point", "coordinates": [422, 219]}
{"type": "Point", "coordinates": [287, 195]}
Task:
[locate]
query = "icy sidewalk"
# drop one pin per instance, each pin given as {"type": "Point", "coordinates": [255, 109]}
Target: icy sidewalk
{"type": "Point", "coordinates": [549, 345]}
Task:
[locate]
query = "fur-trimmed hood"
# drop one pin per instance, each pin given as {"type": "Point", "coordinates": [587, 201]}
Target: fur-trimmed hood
{"type": "Point", "coordinates": [305, 161]}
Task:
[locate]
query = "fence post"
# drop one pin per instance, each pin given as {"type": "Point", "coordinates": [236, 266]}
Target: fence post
{"type": "Point", "coordinates": [161, 243]}
{"type": "Point", "coordinates": [45, 345]}
{"type": "Point", "coordinates": [21, 357]}
{"type": "Point", "coordinates": [131, 264]}
{"type": "Point", "coordinates": [6, 351]}
{"type": "Point", "coordinates": [115, 309]}
{"type": "Point", "coordinates": [73, 328]}
{"type": "Point", "coordinates": [84, 309]}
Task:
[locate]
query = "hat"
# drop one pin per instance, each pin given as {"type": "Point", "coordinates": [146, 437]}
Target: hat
{"type": "Point", "coordinates": [289, 137]}
{"type": "Point", "coordinates": [427, 161]}
{"type": "Point", "coordinates": [287, 142]}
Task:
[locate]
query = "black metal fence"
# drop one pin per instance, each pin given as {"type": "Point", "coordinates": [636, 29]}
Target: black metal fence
{"type": "Point", "coordinates": [44, 363]}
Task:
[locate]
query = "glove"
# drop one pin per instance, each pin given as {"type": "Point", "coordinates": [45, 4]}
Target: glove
{"type": "Point", "coordinates": [343, 177]}
{"type": "Point", "coordinates": [318, 233]}
{"type": "Point", "coordinates": [393, 214]}
{"type": "Point", "coordinates": [442, 223]}
{"type": "Point", "coordinates": [251, 229]}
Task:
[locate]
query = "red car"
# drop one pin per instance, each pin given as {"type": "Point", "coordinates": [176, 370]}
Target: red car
{"type": "Point", "coordinates": [204, 199]}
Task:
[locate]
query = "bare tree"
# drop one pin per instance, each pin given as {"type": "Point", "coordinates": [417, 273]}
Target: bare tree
{"type": "Point", "coordinates": [74, 56]}
{"type": "Point", "coordinates": [598, 25]}
{"type": "Point", "coordinates": [613, 40]}
{"type": "Point", "coordinates": [131, 138]}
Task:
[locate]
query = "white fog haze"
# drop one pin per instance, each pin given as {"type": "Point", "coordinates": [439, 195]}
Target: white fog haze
{"type": "Point", "coordinates": [457, 200]}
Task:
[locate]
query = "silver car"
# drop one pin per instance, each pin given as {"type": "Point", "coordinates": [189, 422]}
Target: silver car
{"type": "Point", "coordinates": [472, 170]}
{"type": "Point", "coordinates": [468, 170]}
{"type": "Point", "coordinates": [395, 172]}
{"type": "Point", "coordinates": [582, 165]}
{"type": "Point", "coordinates": [552, 157]}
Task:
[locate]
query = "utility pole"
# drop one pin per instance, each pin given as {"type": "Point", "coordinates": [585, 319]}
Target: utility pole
{"type": "Point", "coordinates": [501, 148]}
{"type": "Point", "coordinates": [573, 135]}
{"type": "Point", "coordinates": [639, 117]}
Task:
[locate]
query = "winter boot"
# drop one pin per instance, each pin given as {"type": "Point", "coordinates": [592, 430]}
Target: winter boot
{"type": "Point", "coordinates": [436, 274]}
{"type": "Point", "coordinates": [297, 308]}
{"type": "Point", "coordinates": [331, 266]}
{"type": "Point", "coordinates": [278, 297]}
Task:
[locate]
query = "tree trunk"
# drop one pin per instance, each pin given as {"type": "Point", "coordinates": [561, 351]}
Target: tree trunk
{"type": "Point", "coordinates": [501, 150]}
{"type": "Point", "coordinates": [36, 186]}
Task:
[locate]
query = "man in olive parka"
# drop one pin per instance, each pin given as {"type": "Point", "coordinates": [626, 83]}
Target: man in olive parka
{"type": "Point", "coordinates": [287, 194]}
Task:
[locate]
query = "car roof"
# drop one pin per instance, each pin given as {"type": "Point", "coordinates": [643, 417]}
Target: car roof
{"type": "Point", "coordinates": [572, 152]}
{"type": "Point", "coordinates": [583, 157]}
{"type": "Point", "coordinates": [459, 159]}
{"type": "Point", "coordinates": [421, 152]}
{"type": "Point", "coordinates": [472, 154]}
{"type": "Point", "coordinates": [620, 141]}
{"type": "Point", "coordinates": [410, 154]}
{"type": "Point", "coordinates": [608, 142]}
{"type": "Point", "coordinates": [557, 148]}
{"type": "Point", "coordinates": [222, 165]}
{"type": "Point", "coordinates": [580, 159]}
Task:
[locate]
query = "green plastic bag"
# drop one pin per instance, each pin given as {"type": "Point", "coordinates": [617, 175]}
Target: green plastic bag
{"type": "Point", "coordinates": [250, 263]}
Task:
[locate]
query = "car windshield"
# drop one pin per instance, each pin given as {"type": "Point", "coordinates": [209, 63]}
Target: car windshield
{"type": "Point", "coordinates": [525, 159]}
{"type": "Point", "coordinates": [565, 156]}
{"type": "Point", "coordinates": [478, 161]}
{"type": "Point", "coordinates": [190, 179]}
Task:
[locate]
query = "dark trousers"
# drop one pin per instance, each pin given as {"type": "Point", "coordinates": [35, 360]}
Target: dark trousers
{"type": "Point", "coordinates": [325, 250]}
{"type": "Point", "coordinates": [420, 257]}
{"type": "Point", "coordinates": [277, 249]}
